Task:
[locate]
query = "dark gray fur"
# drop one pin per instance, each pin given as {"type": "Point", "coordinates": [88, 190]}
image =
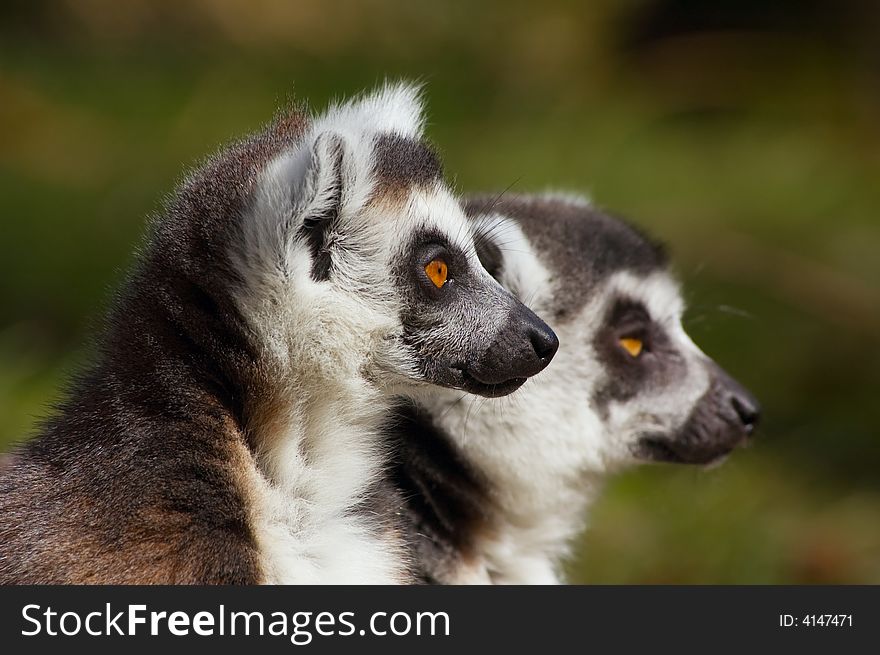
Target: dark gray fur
{"type": "Point", "coordinates": [439, 324]}
{"type": "Point", "coordinates": [317, 227]}
{"type": "Point", "coordinates": [625, 377]}
{"type": "Point", "coordinates": [130, 480]}
{"type": "Point", "coordinates": [444, 502]}
{"type": "Point", "coordinates": [135, 477]}
{"type": "Point", "coordinates": [448, 501]}
{"type": "Point", "coordinates": [581, 245]}
{"type": "Point", "coordinates": [404, 162]}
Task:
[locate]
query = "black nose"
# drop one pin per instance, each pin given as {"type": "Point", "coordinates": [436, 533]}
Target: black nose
{"type": "Point", "coordinates": [744, 404]}
{"type": "Point", "coordinates": [732, 395]}
{"type": "Point", "coordinates": [747, 409]}
{"type": "Point", "coordinates": [544, 341]}
{"type": "Point", "coordinates": [722, 419]}
{"type": "Point", "coordinates": [523, 347]}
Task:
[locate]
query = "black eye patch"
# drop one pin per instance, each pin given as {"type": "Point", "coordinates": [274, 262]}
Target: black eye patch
{"type": "Point", "coordinates": [424, 248]}
{"type": "Point", "coordinates": [629, 313]}
{"type": "Point", "coordinates": [431, 238]}
{"type": "Point", "coordinates": [628, 375]}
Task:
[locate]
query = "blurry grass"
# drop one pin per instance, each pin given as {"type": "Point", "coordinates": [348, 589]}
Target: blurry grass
{"type": "Point", "coordinates": [759, 170]}
{"type": "Point", "coordinates": [758, 519]}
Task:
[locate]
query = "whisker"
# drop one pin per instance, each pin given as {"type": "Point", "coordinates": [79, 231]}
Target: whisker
{"type": "Point", "coordinates": [735, 311]}
{"type": "Point", "coordinates": [488, 208]}
{"type": "Point", "coordinates": [452, 405]}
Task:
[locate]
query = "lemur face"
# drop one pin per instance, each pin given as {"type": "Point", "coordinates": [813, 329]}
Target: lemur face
{"type": "Point", "coordinates": [465, 330]}
{"type": "Point", "coordinates": [628, 371]}
{"type": "Point", "coordinates": [659, 396]}
{"type": "Point", "coordinates": [458, 326]}
{"type": "Point", "coordinates": [378, 240]}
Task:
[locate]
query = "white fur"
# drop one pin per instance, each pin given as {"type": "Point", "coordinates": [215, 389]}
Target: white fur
{"type": "Point", "coordinates": [568, 197]}
{"type": "Point", "coordinates": [332, 345]}
{"type": "Point", "coordinates": [666, 407]}
{"type": "Point", "coordinates": [524, 274]}
{"type": "Point", "coordinates": [545, 450]}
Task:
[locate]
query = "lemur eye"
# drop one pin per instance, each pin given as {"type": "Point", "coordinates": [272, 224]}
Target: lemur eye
{"type": "Point", "coordinates": [631, 345]}
{"type": "Point", "coordinates": [437, 272]}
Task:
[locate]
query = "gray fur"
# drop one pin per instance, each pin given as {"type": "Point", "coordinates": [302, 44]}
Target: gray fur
{"type": "Point", "coordinates": [581, 245]}
{"type": "Point", "coordinates": [480, 513]}
{"type": "Point", "coordinates": [227, 431]}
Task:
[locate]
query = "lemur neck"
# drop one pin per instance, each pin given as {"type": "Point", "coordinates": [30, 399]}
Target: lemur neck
{"type": "Point", "coordinates": [309, 419]}
{"type": "Point", "coordinates": [541, 472]}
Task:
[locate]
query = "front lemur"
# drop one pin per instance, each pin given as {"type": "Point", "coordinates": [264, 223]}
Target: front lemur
{"type": "Point", "coordinates": [496, 490]}
{"type": "Point", "coordinates": [229, 430]}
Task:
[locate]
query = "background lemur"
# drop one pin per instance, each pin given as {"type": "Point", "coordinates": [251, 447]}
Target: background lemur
{"type": "Point", "coordinates": [228, 431]}
{"type": "Point", "coordinates": [497, 489]}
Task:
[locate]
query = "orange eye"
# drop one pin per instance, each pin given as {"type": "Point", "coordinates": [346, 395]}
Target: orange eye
{"type": "Point", "coordinates": [437, 271]}
{"type": "Point", "coordinates": [631, 345]}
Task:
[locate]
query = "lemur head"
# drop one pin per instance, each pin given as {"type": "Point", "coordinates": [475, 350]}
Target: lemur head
{"type": "Point", "coordinates": [354, 224]}
{"type": "Point", "coordinates": [628, 377]}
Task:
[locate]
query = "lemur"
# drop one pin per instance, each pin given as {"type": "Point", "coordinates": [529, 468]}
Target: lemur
{"type": "Point", "coordinates": [496, 490]}
{"type": "Point", "coordinates": [229, 429]}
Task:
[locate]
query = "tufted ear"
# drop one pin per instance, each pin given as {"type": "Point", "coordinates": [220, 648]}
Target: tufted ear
{"type": "Point", "coordinates": [320, 198]}
{"type": "Point", "coordinates": [320, 193]}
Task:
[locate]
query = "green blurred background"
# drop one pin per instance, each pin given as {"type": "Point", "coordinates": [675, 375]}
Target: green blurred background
{"type": "Point", "coordinates": [745, 134]}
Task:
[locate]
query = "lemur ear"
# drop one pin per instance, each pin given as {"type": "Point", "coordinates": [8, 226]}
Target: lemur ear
{"type": "Point", "coordinates": [322, 187]}
{"type": "Point", "coordinates": [321, 198]}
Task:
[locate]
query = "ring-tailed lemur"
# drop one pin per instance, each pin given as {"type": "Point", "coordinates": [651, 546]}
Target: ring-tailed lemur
{"type": "Point", "coordinates": [497, 489]}
{"type": "Point", "coordinates": [229, 429]}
